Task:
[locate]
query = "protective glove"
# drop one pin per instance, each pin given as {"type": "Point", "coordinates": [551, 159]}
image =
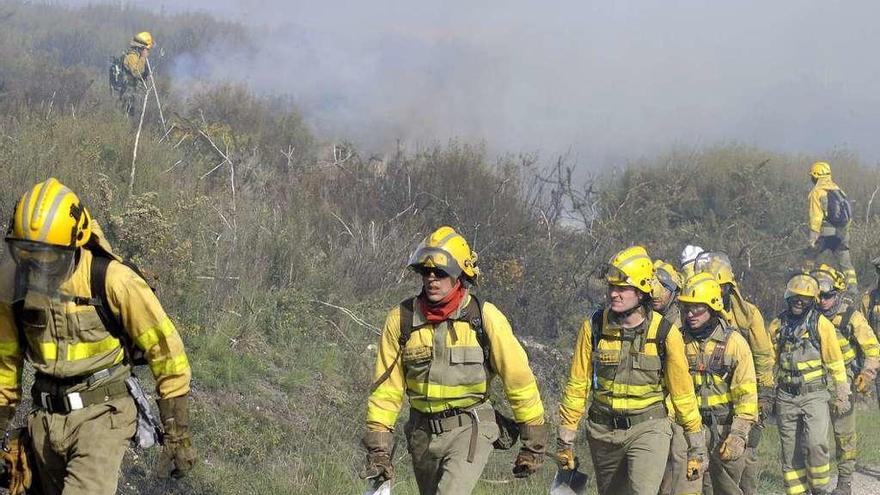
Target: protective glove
{"type": "Point", "coordinates": [378, 464]}
{"type": "Point", "coordinates": [177, 456]}
{"type": "Point", "coordinates": [734, 445]}
{"type": "Point", "coordinates": [866, 377]}
{"type": "Point", "coordinates": [17, 476]}
{"type": "Point", "coordinates": [766, 401]}
{"type": "Point", "coordinates": [565, 449]}
{"type": "Point", "coordinates": [813, 239]}
{"type": "Point", "coordinates": [841, 405]}
{"type": "Point", "coordinates": [697, 461]}
{"type": "Point", "coordinates": [531, 454]}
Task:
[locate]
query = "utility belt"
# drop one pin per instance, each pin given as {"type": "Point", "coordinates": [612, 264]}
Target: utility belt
{"type": "Point", "coordinates": [626, 421]}
{"type": "Point", "coordinates": [717, 417]}
{"type": "Point", "coordinates": [803, 388]}
{"type": "Point", "coordinates": [445, 421]}
{"type": "Point", "coordinates": [50, 393]}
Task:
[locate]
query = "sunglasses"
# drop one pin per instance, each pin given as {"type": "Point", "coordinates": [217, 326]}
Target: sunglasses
{"type": "Point", "coordinates": [828, 295]}
{"type": "Point", "coordinates": [435, 272]}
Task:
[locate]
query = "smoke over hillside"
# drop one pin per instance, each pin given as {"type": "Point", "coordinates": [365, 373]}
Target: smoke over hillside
{"type": "Point", "coordinates": [606, 80]}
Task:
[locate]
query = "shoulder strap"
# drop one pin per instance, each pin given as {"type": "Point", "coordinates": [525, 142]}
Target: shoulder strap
{"type": "Point", "coordinates": [473, 314]}
{"type": "Point", "coordinates": [19, 295]}
{"type": "Point", "coordinates": [845, 321]}
{"type": "Point", "coordinates": [660, 338]}
{"type": "Point", "coordinates": [716, 361]}
{"type": "Point", "coordinates": [406, 328]}
{"type": "Point", "coordinates": [597, 321]}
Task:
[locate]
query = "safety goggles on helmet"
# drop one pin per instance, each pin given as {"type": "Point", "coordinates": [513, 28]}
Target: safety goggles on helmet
{"type": "Point", "coordinates": [432, 257]}
{"type": "Point", "coordinates": [666, 280]}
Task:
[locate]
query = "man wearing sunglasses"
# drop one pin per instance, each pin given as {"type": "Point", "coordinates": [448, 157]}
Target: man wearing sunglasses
{"type": "Point", "coordinates": [627, 360]}
{"type": "Point", "coordinates": [50, 314]}
{"type": "Point", "coordinates": [441, 349]}
{"type": "Point", "coordinates": [723, 371]}
{"type": "Point", "coordinates": [809, 361]}
{"type": "Point", "coordinates": [861, 355]}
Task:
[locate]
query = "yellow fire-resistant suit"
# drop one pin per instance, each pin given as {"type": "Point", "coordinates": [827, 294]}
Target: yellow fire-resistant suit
{"type": "Point", "coordinates": [80, 452]}
{"type": "Point", "coordinates": [628, 428]}
{"type": "Point", "coordinates": [809, 356]}
{"type": "Point", "coordinates": [443, 369]}
{"type": "Point", "coordinates": [827, 236]}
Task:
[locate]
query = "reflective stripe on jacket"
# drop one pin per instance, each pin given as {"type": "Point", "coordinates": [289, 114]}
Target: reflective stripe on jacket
{"type": "Point", "coordinates": [443, 368]}
{"type": "Point", "coordinates": [857, 339]}
{"type": "Point", "coordinates": [724, 384]}
{"type": "Point", "coordinates": [747, 319]}
{"type": "Point", "coordinates": [66, 339]}
{"type": "Point", "coordinates": [800, 358]}
{"type": "Point", "coordinates": [630, 373]}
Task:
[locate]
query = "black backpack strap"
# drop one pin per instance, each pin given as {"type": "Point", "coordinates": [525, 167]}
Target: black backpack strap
{"type": "Point", "coordinates": [845, 321]}
{"type": "Point", "coordinates": [19, 295]}
{"type": "Point", "coordinates": [660, 338]}
{"type": "Point", "coordinates": [872, 301]}
{"type": "Point", "coordinates": [597, 322]}
{"type": "Point", "coordinates": [716, 361]}
{"type": "Point", "coordinates": [406, 317]}
{"type": "Point", "coordinates": [473, 315]}
{"type": "Point", "coordinates": [98, 286]}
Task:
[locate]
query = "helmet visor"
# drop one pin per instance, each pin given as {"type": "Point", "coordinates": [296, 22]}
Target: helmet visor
{"type": "Point", "coordinates": [616, 276]}
{"type": "Point", "coordinates": [712, 262]}
{"type": "Point", "coordinates": [432, 257]}
{"type": "Point", "coordinates": [47, 266]}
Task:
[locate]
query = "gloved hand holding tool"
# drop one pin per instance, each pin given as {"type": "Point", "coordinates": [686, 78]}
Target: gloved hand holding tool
{"type": "Point", "coordinates": [531, 454]}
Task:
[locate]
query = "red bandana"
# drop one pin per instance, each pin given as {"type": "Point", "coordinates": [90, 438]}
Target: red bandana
{"type": "Point", "coordinates": [440, 311]}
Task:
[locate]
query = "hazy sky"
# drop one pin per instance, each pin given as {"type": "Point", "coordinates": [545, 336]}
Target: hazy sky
{"type": "Point", "coordinates": [609, 80]}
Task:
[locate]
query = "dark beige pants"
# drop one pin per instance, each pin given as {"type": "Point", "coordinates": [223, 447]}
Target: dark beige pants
{"type": "Point", "coordinates": [804, 426]}
{"type": "Point", "coordinates": [80, 453]}
{"type": "Point", "coordinates": [630, 462]}
{"type": "Point", "coordinates": [440, 461]}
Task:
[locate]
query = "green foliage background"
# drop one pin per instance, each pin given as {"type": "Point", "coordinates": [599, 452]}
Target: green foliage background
{"type": "Point", "coordinates": [278, 253]}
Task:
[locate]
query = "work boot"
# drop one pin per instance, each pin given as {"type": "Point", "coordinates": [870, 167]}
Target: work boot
{"type": "Point", "coordinates": [844, 486]}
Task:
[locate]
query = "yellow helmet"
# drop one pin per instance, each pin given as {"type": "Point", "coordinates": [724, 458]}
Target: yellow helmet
{"type": "Point", "coordinates": [802, 285]}
{"type": "Point", "coordinates": [51, 214]}
{"type": "Point", "coordinates": [447, 250]}
{"type": "Point", "coordinates": [667, 277]}
{"type": "Point", "coordinates": [717, 264]}
{"type": "Point", "coordinates": [143, 40]}
{"type": "Point", "coordinates": [820, 169]}
{"type": "Point", "coordinates": [702, 288]}
{"type": "Point", "coordinates": [631, 267]}
{"type": "Point", "coordinates": [829, 279]}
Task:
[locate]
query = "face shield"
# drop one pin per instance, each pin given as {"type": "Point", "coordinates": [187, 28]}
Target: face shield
{"type": "Point", "coordinates": [46, 266]}
{"type": "Point", "coordinates": [712, 262]}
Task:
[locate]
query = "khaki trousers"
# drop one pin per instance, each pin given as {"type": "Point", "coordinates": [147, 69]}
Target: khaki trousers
{"type": "Point", "coordinates": [440, 461]}
{"type": "Point", "coordinates": [804, 424]}
{"type": "Point", "coordinates": [626, 461]}
{"type": "Point", "coordinates": [80, 453]}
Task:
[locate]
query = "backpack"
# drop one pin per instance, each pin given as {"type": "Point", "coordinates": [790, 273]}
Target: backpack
{"type": "Point", "coordinates": [839, 209]}
{"type": "Point", "coordinates": [98, 285]}
{"type": "Point", "coordinates": [116, 74]}
{"type": "Point", "coordinates": [597, 326]}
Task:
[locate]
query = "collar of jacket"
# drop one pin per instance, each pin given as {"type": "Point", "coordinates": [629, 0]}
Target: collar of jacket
{"type": "Point", "coordinates": [419, 319]}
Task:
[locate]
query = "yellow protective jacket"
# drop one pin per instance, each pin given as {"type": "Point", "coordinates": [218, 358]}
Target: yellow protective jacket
{"type": "Point", "coordinates": [66, 339]}
{"type": "Point", "coordinates": [857, 338]}
{"type": "Point", "coordinates": [631, 375]}
{"type": "Point", "coordinates": [747, 318]}
{"type": "Point", "coordinates": [724, 373]}
{"type": "Point", "coordinates": [818, 206]}
{"type": "Point", "coordinates": [801, 360]}
{"type": "Point", "coordinates": [135, 67]}
{"type": "Point", "coordinates": [442, 367]}
{"type": "Point", "coordinates": [870, 308]}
